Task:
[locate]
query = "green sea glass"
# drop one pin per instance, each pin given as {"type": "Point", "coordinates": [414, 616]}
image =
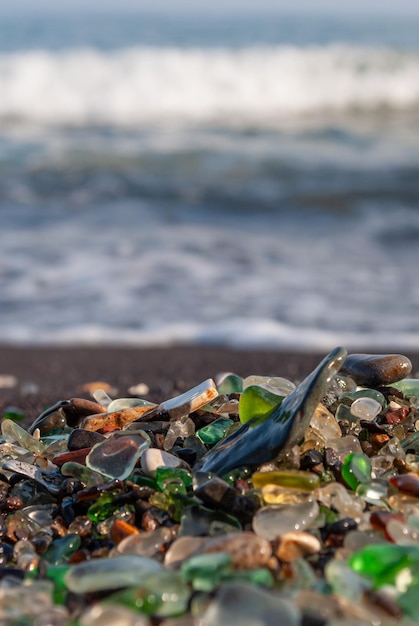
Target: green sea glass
{"type": "Point", "coordinates": [408, 386]}
{"type": "Point", "coordinates": [168, 476]}
{"type": "Point", "coordinates": [211, 434]}
{"type": "Point", "coordinates": [103, 507]}
{"type": "Point", "coordinates": [84, 474]}
{"type": "Point", "coordinates": [384, 562]}
{"type": "Point", "coordinates": [56, 573]}
{"type": "Point", "coordinates": [14, 414]}
{"type": "Point", "coordinates": [163, 594]}
{"type": "Point", "coordinates": [356, 469]}
{"type": "Point", "coordinates": [257, 402]}
{"type": "Point", "coordinates": [206, 571]}
{"type": "Point", "coordinates": [231, 383]}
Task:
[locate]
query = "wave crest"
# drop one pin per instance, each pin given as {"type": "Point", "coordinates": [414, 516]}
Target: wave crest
{"type": "Point", "coordinates": [261, 85]}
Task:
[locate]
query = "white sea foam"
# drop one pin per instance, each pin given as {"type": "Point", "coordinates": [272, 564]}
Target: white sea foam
{"type": "Point", "coordinates": [256, 85]}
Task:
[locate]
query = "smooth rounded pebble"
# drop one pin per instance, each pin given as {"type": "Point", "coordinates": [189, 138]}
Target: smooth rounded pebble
{"type": "Point", "coordinates": [374, 370]}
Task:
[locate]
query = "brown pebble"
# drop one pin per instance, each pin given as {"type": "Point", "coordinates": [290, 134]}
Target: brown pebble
{"type": "Point", "coordinates": [295, 545]}
{"type": "Point", "coordinates": [378, 441]}
{"type": "Point", "coordinates": [247, 549]}
{"type": "Point", "coordinates": [94, 385]}
{"type": "Point", "coordinates": [74, 456]}
{"type": "Point", "coordinates": [406, 483]}
{"type": "Point", "coordinates": [78, 408]}
{"type": "Point", "coordinates": [374, 370]}
{"type": "Point", "coordinates": [120, 530]}
{"type": "Point", "coordinates": [397, 416]}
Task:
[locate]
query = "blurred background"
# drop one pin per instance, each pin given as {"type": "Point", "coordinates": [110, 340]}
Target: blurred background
{"type": "Point", "coordinates": [243, 174]}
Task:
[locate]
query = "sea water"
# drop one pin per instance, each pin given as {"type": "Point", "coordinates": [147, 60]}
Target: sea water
{"type": "Point", "coordinates": [247, 180]}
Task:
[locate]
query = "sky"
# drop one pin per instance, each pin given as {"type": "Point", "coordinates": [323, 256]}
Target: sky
{"type": "Point", "coordinates": [197, 6]}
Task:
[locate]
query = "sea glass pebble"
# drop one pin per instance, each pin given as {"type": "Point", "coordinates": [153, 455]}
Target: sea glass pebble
{"type": "Point", "coordinates": [384, 562]}
{"type": "Point", "coordinates": [227, 383]}
{"type": "Point", "coordinates": [241, 604]}
{"type": "Point", "coordinates": [296, 545]}
{"type": "Point", "coordinates": [365, 408]}
{"type": "Point", "coordinates": [257, 402]}
{"type": "Point", "coordinates": [294, 479]}
{"type": "Point", "coordinates": [272, 521]}
{"type": "Point", "coordinates": [111, 615]}
{"type": "Point", "coordinates": [211, 434]}
{"type": "Point", "coordinates": [247, 550]}
{"type": "Point", "coordinates": [409, 387]}
{"type": "Point", "coordinates": [111, 573]}
{"type": "Point", "coordinates": [153, 458]}
{"type": "Point", "coordinates": [146, 543]}
{"type": "Point", "coordinates": [116, 457]}
{"type": "Point", "coordinates": [275, 384]}
{"type": "Point", "coordinates": [191, 400]}
{"type": "Point", "coordinates": [12, 433]}
{"type": "Point", "coordinates": [356, 469]}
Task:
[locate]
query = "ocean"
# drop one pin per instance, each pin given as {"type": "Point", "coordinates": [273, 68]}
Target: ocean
{"type": "Point", "coordinates": [250, 181]}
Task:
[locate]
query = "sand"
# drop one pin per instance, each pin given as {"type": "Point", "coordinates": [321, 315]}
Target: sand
{"type": "Point", "coordinates": [47, 374]}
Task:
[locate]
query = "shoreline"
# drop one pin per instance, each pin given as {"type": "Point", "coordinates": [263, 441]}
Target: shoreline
{"type": "Point", "coordinates": [45, 374]}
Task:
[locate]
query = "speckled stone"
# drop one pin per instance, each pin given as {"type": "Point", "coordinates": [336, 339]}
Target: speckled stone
{"type": "Point", "coordinates": [374, 370]}
{"type": "Point", "coordinates": [247, 549]}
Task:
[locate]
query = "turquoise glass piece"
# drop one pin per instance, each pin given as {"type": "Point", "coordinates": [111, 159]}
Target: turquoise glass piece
{"type": "Point", "coordinates": [260, 576]}
{"type": "Point", "coordinates": [206, 571]}
{"type": "Point", "coordinates": [211, 434]}
{"type": "Point", "coordinates": [411, 442]}
{"type": "Point", "coordinates": [257, 403]}
{"type": "Point", "coordinates": [254, 444]}
{"type": "Point", "coordinates": [383, 562]}
{"type": "Point", "coordinates": [356, 469]}
{"type": "Point", "coordinates": [62, 549]}
{"type": "Point", "coordinates": [231, 383]}
{"type": "Point", "coordinates": [408, 386]}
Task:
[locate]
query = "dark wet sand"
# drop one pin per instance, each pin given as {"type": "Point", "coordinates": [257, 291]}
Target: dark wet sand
{"type": "Point", "coordinates": [47, 374]}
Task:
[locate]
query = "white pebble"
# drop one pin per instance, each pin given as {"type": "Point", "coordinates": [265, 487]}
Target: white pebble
{"type": "Point", "coordinates": [365, 408]}
{"type": "Point", "coordinates": [152, 458]}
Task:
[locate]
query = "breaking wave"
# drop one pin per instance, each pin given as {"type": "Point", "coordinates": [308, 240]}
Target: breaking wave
{"type": "Point", "coordinates": [255, 85]}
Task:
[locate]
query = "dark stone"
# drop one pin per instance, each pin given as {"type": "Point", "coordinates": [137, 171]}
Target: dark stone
{"type": "Point", "coordinates": [186, 454]}
{"type": "Point", "coordinates": [6, 553]}
{"type": "Point", "coordinates": [374, 370]}
{"type": "Point", "coordinates": [310, 459]}
{"type": "Point", "coordinates": [255, 443]}
{"type": "Point", "coordinates": [217, 493]}
{"type": "Point", "coordinates": [342, 526]}
{"type": "Point", "coordinates": [81, 438]}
